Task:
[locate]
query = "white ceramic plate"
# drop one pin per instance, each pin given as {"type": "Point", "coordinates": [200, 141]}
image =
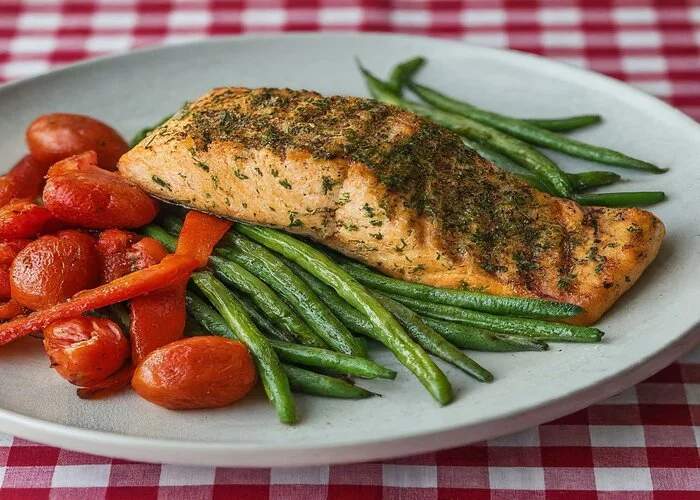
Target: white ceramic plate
{"type": "Point", "coordinates": [647, 329]}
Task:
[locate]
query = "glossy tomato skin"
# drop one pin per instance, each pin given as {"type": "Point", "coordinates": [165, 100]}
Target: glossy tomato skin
{"type": "Point", "coordinates": [85, 350]}
{"type": "Point", "coordinates": [78, 192]}
{"type": "Point", "coordinates": [53, 268]}
{"type": "Point", "coordinates": [22, 218]}
{"type": "Point", "coordinates": [56, 136]}
{"type": "Point", "coordinates": [195, 373]}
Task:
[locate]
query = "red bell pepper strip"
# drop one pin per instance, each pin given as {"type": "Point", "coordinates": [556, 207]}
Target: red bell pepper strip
{"type": "Point", "coordinates": [172, 270]}
{"type": "Point", "coordinates": [199, 235]}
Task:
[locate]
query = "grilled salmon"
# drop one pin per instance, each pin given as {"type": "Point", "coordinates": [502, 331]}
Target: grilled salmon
{"type": "Point", "coordinates": [392, 190]}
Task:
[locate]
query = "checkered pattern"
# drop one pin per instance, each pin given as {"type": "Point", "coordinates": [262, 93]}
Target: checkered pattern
{"type": "Point", "coordinates": [642, 443]}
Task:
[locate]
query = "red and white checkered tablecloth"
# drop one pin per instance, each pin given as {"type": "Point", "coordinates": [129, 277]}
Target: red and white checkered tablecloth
{"type": "Point", "coordinates": [643, 443]}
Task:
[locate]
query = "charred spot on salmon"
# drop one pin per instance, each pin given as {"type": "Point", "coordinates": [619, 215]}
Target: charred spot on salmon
{"type": "Point", "coordinates": [479, 210]}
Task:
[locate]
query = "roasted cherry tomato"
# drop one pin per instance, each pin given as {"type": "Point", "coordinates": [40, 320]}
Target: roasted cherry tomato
{"type": "Point", "coordinates": [22, 218]}
{"type": "Point", "coordinates": [195, 373]}
{"type": "Point", "coordinates": [79, 192]}
{"type": "Point", "coordinates": [53, 137]}
{"type": "Point", "coordinates": [53, 268]}
{"type": "Point", "coordinates": [8, 251]}
{"type": "Point", "coordinates": [24, 180]}
{"type": "Point", "coordinates": [85, 350]}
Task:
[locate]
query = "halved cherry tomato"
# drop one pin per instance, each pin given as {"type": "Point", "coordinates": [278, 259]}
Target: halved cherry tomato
{"type": "Point", "coordinates": [79, 192]}
{"type": "Point", "coordinates": [8, 251]}
{"type": "Point", "coordinates": [24, 180]}
{"type": "Point", "coordinates": [195, 373]}
{"type": "Point", "coordinates": [53, 137]}
{"type": "Point", "coordinates": [53, 268]}
{"type": "Point", "coordinates": [22, 218]}
{"type": "Point", "coordinates": [85, 350]}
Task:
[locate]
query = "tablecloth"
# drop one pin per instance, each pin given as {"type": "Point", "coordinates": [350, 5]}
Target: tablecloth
{"type": "Point", "coordinates": [642, 443]}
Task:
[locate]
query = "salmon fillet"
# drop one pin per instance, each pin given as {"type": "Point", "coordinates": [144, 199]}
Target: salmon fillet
{"type": "Point", "coordinates": [394, 191]}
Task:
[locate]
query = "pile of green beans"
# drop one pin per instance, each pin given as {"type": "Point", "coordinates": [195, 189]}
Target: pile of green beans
{"type": "Point", "coordinates": [239, 298]}
{"type": "Point", "coordinates": [508, 142]}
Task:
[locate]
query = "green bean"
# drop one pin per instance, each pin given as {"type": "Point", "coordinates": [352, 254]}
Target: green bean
{"type": "Point", "coordinates": [270, 369]}
{"type": "Point", "coordinates": [322, 385]}
{"type": "Point", "coordinates": [581, 182]}
{"type": "Point", "coordinates": [564, 124]}
{"type": "Point", "coordinates": [534, 328]}
{"type": "Point", "coordinates": [633, 199]}
{"type": "Point", "coordinates": [516, 149]}
{"type": "Point", "coordinates": [387, 330]}
{"type": "Point", "coordinates": [323, 358]}
{"type": "Point", "coordinates": [468, 337]}
{"type": "Point", "coordinates": [269, 268]}
{"type": "Point", "coordinates": [429, 339]}
{"type": "Point", "coordinates": [403, 72]}
{"type": "Point", "coordinates": [531, 133]}
{"type": "Point", "coordinates": [289, 352]}
{"type": "Point", "coordinates": [478, 301]}
{"type": "Point", "coordinates": [593, 178]}
{"type": "Point", "coordinates": [141, 134]}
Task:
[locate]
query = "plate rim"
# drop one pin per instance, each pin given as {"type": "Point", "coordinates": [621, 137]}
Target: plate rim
{"type": "Point", "coordinates": [257, 454]}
